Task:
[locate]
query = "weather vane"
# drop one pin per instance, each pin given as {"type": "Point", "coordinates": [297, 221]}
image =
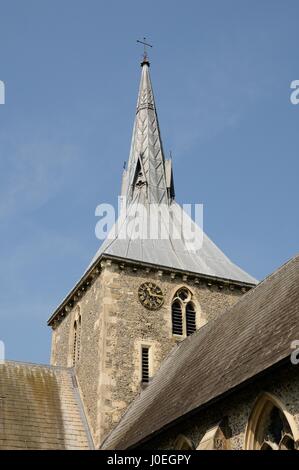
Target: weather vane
{"type": "Point", "coordinates": [145, 44]}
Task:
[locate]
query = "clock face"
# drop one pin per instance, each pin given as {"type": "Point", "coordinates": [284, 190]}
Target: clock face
{"type": "Point", "coordinates": [150, 295]}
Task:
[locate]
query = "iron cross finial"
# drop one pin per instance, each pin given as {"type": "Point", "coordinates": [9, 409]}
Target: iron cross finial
{"type": "Point", "coordinates": [145, 44]}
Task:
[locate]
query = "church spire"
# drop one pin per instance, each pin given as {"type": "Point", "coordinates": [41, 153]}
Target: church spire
{"type": "Point", "coordinates": [148, 178]}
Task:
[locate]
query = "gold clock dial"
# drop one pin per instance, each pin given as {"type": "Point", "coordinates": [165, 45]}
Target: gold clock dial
{"type": "Point", "coordinates": [150, 295]}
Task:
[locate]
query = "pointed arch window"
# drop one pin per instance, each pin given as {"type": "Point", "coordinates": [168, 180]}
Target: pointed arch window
{"type": "Point", "coordinates": [75, 343]}
{"type": "Point", "coordinates": [183, 443]}
{"type": "Point", "coordinates": [76, 340]}
{"type": "Point", "coordinates": [183, 313]}
{"type": "Point", "coordinates": [270, 426]}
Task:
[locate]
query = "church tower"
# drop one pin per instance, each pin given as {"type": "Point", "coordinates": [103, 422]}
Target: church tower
{"type": "Point", "coordinates": [140, 295]}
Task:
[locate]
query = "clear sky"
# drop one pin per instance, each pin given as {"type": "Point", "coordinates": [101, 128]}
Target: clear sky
{"type": "Point", "coordinates": [221, 71]}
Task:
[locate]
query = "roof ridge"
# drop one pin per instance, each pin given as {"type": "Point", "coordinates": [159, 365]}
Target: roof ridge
{"type": "Point", "coordinates": [36, 364]}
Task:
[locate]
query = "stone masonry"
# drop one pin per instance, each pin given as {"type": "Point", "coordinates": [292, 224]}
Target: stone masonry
{"type": "Point", "coordinates": [235, 410]}
{"type": "Point", "coordinates": [115, 326]}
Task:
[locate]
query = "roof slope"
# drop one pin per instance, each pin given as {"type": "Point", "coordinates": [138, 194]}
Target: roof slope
{"type": "Point", "coordinates": [39, 408]}
{"type": "Point", "coordinates": [172, 251]}
{"type": "Point", "coordinates": [251, 336]}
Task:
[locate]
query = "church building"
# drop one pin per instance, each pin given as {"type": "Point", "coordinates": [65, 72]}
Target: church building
{"type": "Point", "coordinates": [160, 345]}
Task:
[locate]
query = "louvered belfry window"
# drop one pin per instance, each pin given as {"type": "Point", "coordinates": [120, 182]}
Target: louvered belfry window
{"type": "Point", "coordinates": [145, 364]}
{"type": "Point", "coordinates": [177, 318]}
{"type": "Point", "coordinates": [190, 319]}
{"type": "Point", "coordinates": [183, 313]}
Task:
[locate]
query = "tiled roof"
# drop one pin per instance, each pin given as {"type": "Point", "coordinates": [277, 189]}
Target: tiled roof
{"type": "Point", "coordinates": [40, 408]}
{"type": "Point", "coordinates": [253, 335]}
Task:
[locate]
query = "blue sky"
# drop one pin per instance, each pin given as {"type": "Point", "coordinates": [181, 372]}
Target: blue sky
{"type": "Point", "coordinates": [221, 72]}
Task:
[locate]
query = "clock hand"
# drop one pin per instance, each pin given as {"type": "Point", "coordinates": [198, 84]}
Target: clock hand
{"type": "Point", "coordinates": [155, 294]}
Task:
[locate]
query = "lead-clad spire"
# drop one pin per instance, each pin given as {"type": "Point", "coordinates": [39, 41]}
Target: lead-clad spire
{"type": "Point", "coordinates": [148, 178]}
{"type": "Point", "coordinates": [163, 234]}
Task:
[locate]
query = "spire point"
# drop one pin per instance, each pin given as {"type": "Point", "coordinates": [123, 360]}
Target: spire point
{"type": "Point", "coordinates": [145, 60]}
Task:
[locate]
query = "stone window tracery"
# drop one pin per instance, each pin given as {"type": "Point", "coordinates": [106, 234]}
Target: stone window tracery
{"type": "Point", "coordinates": [270, 426]}
{"type": "Point", "coordinates": [183, 443]}
{"type": "Point", "coordinates": [183, 313]}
